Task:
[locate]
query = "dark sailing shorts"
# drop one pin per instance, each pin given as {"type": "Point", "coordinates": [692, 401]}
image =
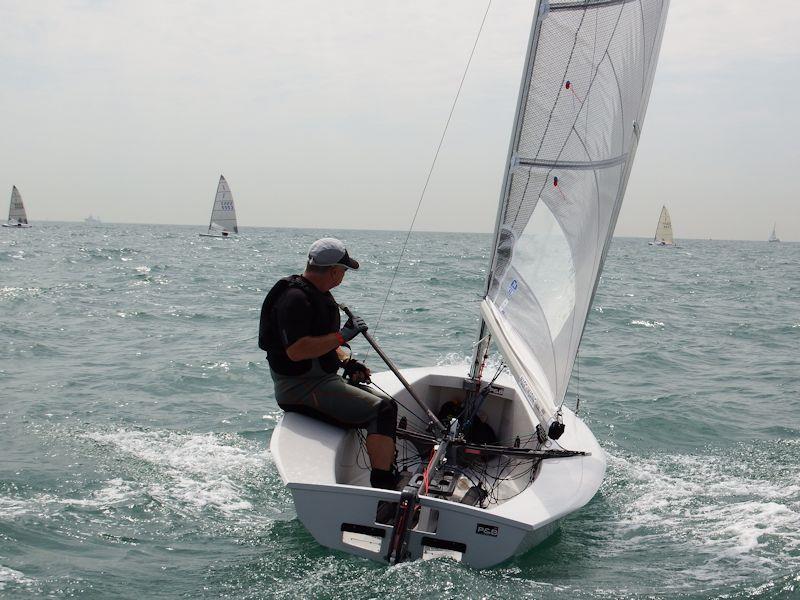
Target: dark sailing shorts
{"type": "Point", "coordinates": [328, 397]}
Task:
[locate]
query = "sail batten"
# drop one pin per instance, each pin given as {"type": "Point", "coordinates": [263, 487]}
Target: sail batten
{"type": "Point", "coordinates": [573, 165]}
{"type": "Point", "coordinates": [581, 4]}
{"type": "Point", "coordinates": [587, 79]}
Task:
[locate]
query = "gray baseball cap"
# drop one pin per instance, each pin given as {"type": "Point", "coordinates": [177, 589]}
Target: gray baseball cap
{"type": "Point", "coordinates": [328, 252]}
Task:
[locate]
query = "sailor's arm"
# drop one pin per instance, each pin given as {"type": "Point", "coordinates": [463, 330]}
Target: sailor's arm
{"type": "Point", "coordinates": [314, 346]}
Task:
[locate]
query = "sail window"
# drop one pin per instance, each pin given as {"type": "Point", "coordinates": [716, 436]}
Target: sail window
{"type": "Point", "coordinates": [544, 260]}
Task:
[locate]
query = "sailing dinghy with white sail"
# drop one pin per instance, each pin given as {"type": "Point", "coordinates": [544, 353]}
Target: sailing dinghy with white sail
{"type": "Point", "coordinates": [773, 237]}
{"type": "Point", "coordinates": [663, 235]}
{"type": "Point", "coordinates": [480, 499]}
{"type": "Point", "coordinates": [17, 218]}
{"type": "Point", "coordinates": [223, 213]}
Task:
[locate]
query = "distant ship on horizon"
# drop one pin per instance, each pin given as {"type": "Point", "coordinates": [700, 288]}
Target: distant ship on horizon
{"type": "Point", "coordinates": [91, 220]}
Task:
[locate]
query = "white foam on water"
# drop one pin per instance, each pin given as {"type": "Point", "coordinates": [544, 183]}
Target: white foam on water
{"type": "Point", "coordinates": [211, 366]}
{"type": "Point", "coordinates": [116, 491]}
{"type": "Point", "coordinates": [713, 505]}
{"type": "Point", "coordinates": [11, 576]}
{"type": "Point", "coordinates": [10, 293]}
{"type": "Point", "coordinates": [649, 324]}
{"type": "Point", "coordinates": [453, 359]}
{"type": "Point", "coordinates": [201, 471]}
{"type": "Point", "coordinates": [12, 508]}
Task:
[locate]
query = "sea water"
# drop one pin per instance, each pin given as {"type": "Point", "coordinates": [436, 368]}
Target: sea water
{"type": "Point", "coordinates": [137, 410]}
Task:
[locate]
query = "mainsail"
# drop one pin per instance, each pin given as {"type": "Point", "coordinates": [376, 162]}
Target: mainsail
{"type": "Point", "coordinates": [664, 228]}
{"type": "Point", "coordinates": [583, 97]}
{"type": "Point", "coordinates": [223, 214]}
{"type": "Point", "coordinates": [16, 210]}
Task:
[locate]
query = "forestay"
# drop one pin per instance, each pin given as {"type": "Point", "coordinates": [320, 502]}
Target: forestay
{"type": "Point", "coordinates": [224, 213]}
{"type": "Point", "coordinates": [587, 78]}
{"type": "Point", "coordinates": [664, 228]}
{"type": "Point", "coordinates": [16, 210]}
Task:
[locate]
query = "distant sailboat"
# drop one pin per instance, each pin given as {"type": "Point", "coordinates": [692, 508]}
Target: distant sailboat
{"type": "Point", "coordinates": [91, 220]}
{"type": "Point", "coordinates": [223, 213]}
{"type": "Point", "coordinates": [772, 236]}
{"type": "Point", "coordinates": [663, 236]}
{"type": "Point", "coordinates": [16, 211]}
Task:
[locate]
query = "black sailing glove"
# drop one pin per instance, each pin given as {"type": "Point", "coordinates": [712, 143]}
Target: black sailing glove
{"type": "Point", "coordinates": [355, 371]}
{"type": "Point", "coordinates": [353, 327]}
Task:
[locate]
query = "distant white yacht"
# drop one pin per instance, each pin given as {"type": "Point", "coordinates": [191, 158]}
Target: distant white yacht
{"type": "Point", "coordinates": [772, 236]}
{"type": "Point", "coordinates": [17, 217]}
{"type": "Point", "coordinates": [90, 220]}
{"type": "Point", "coordinates": [663, 236]}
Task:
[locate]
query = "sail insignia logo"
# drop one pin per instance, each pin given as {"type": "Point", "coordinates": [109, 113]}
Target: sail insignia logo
{"type": "Point", "coordinates": [526, 389]}
{"type": "Point", "coordinates": [512, 288]}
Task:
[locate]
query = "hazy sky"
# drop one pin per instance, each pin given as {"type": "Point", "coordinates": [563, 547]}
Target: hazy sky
{"type": "Point", "coordinates": [327, 113]}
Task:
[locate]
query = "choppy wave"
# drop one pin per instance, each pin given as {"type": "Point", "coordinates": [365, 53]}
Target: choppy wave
{"type": "Point", "coordinates": [137, 409]}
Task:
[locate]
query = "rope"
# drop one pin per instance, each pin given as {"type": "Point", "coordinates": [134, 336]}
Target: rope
{"type": "Point", "coordinates": [430, 171]}
{"type": "Point", "coordinates": [409, 411]}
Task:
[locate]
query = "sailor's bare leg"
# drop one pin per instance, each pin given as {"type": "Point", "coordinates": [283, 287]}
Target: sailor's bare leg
{"type": "Point", "coordinates": [381, 451]}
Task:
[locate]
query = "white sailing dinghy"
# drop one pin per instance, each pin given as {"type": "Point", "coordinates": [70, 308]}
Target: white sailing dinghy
{"type": "Point", "coordinates": [663, 235]}
{"type": "Point", "coordinates": [223, 213]}
{"type": "Point", "coordinates": [17, 217]}
{"type": "Point", "coordinates": [773, 236]}
{"type": "Point", "coordinates": [495, 480]}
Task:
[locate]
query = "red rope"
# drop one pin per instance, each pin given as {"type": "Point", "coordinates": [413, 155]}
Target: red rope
{"type": "Point", "coordinates": [427, 471]}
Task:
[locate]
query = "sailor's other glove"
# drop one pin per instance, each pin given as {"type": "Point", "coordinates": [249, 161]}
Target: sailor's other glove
{"type": "Point", "coordinates": [355, 371]}
{"type": "Point", "coordinates": [352, 328]}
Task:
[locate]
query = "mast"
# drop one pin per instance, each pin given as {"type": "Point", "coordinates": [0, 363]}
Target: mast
{"type": "Point", "coordinates": [658, 224]}
{"type": "Point", "coordinates": [213, 204]}
{"type": "Point", "coordinates": [482, 345]}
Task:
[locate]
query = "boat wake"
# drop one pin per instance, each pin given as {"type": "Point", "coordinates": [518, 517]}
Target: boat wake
{"type": "Point", "coordinates": [727, 508]}
{"type": "Point", "coordinates": [194, 472]}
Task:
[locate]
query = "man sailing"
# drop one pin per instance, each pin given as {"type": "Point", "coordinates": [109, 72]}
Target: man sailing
{"type": "Point", "coordinates": [301, 332]}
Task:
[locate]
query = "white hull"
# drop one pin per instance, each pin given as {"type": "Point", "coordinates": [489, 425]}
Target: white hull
{"type": "Point", "coordinates": [215, 235]}
{"type": "Point", "coordinates": [330, 483]}
{"type": "Point", "coordinates": [16, 225]}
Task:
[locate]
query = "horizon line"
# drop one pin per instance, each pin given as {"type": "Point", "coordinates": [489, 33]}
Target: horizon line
{"type": "Point", "coordinates": [101, 222]}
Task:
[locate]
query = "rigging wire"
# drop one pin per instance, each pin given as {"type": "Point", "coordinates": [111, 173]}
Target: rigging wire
{"type": "Point", "coordinates": [578, 382]}
{"type": "Point", "coordinates": [471, 409]}
{"type": "Point", "coordinates": [430, 171]}
{"type": "Point", "coordinates": [425, 423]}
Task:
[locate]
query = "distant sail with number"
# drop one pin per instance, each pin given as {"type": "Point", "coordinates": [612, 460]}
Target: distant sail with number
{"type": "Point", "coordinates": [663, 236]}
{"type": "Point", "coordinates": [16, 211]}
{"type": "Point", "coordinates": [223, 213]}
